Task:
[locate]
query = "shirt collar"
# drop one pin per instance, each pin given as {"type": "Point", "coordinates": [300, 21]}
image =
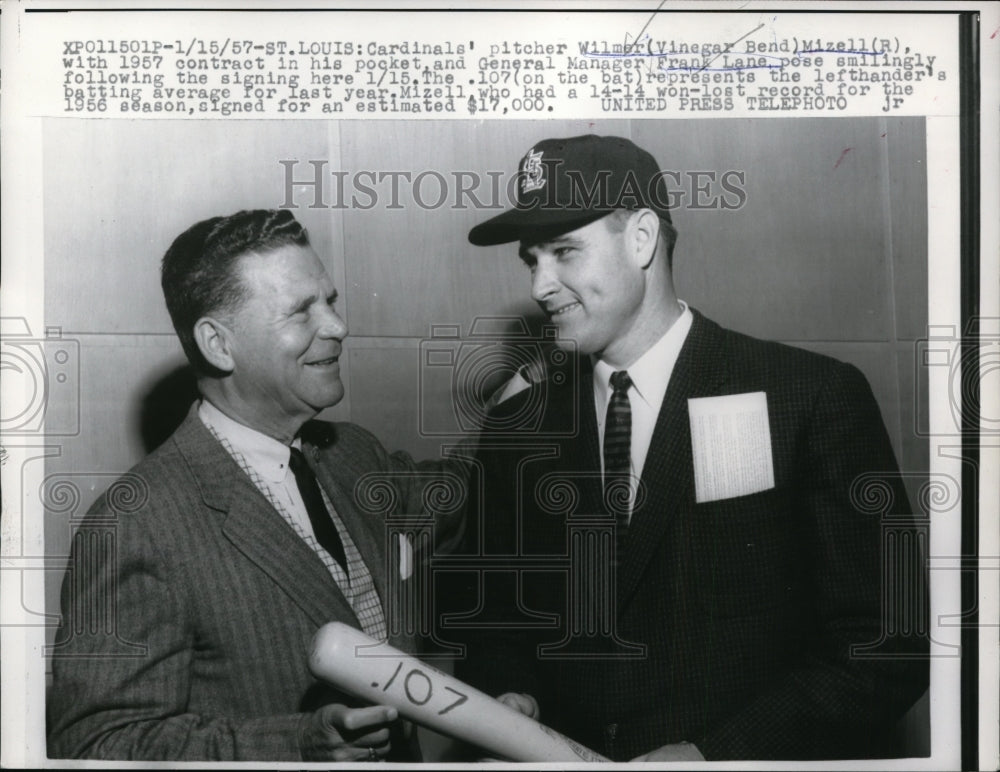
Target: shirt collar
{"type": "Point", "coordinates": [264, 454]}
{"type": "Point", "coordinates": [651, 372]}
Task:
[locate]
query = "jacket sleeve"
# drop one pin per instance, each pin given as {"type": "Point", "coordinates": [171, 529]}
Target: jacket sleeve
{"type": "Point", "coordinates": [123, 658]}
{"type": "Point", "coordinates": [436, 488]}
{"type": "Point", "coordinates": [841, 693]}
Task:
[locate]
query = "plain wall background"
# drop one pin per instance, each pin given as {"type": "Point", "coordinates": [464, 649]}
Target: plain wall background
{"type": "Point", "coordinates": [829, 252]}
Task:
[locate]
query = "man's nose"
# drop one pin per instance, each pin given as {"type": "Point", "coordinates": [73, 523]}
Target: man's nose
{"type": "Point", "coordinates": [332, 325]}
{"type": "Point", "coordinates": [543, 281]}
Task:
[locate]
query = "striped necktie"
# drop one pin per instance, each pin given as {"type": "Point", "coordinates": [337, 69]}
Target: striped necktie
{"type": "Point", "coordinates": [618, 454]}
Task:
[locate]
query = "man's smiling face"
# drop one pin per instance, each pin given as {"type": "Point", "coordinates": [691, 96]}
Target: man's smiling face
{"type": "Point", "coordinates": [588, 286]}
{"type": "Point", "coordinates": [286, 338]}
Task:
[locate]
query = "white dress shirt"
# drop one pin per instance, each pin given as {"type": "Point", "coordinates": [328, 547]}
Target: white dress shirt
{"type": "Point", "coordinates": [650, 375]}
{"type": "Point", "coordinates": [266, 456]}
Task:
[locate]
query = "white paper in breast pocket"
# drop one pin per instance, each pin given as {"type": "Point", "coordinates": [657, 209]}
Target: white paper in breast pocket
{"type": "Point", "coordinates": [731, 446]}
{"type": "Point", "coordinates": [405, 557]}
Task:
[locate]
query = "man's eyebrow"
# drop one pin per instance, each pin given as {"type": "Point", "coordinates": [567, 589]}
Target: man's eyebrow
{"type": "Point", "coordinates": [525, 253]}
{"type": "Point", "coordinates": [302, 303]}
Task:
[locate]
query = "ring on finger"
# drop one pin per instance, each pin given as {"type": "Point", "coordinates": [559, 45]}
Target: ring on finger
{"type": "Point", "coordinates": [372, 755]}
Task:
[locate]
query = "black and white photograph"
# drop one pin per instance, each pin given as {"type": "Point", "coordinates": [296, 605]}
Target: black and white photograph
{"type": "Point", "coordinates": [526, 386]}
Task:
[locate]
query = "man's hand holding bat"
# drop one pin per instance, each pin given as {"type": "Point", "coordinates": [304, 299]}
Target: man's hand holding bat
{"type": "Point", "coordinates": [338, 733]}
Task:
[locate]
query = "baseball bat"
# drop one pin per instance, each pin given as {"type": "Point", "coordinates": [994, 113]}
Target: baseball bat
{"type": "Point", "coordinates": [359, 665]}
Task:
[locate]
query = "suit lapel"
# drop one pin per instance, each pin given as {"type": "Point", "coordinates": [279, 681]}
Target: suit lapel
{"type": "Point", "coordinates": [668, 474]}
{"type": "Point", "coordinates": [583, 451]}
{"type": "Point", "coordinates": [256, 529]}
{"type": "Point", "coordinates": [368, 533]}
{"type": "Point", "coordinates": [261, 534]}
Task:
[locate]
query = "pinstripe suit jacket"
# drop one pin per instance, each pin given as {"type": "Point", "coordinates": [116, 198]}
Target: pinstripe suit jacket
{"type": "Point", "coordinates": [747, 607]}
{"type": "Point", "coordinates": [213, 601]}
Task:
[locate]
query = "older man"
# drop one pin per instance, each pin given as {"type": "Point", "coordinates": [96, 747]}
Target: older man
{"type": "Point", "coordinates": [740, 612]}
{"type": "Point", "coordinates": [245, 536]}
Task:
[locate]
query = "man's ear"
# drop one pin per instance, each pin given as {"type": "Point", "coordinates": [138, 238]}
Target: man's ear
{"type": "Point", "coordinates": [214, 341]}
{"type": "Point", "coordinates": [645, 230]}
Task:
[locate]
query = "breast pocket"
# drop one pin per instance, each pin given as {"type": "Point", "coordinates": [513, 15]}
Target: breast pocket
{"type": "Point", "coordinates": [747, 552]}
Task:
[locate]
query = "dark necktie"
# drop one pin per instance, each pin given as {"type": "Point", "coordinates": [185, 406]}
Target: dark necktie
{"type": "Point", "coordinates": [618, 452]}
{"type": "Point", "coordinates": [323, 528]}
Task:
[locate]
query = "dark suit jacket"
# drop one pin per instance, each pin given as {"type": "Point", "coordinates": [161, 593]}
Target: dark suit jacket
{"type": "Point", "coordinates": [190, 603]}
{"type": "Point", "coordinates": [747, 607]}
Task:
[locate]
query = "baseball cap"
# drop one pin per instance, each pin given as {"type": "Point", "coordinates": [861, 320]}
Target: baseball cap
{"type": "Point", "coordinates": [564, 184]}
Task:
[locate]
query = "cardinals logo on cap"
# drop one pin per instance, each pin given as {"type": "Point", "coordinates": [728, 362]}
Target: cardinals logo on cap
{"type": "Point", "coordinates": [533, 173]}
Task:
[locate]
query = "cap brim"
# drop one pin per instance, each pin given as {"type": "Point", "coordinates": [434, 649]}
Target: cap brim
{"type": "Point", "coordinates": [534, 224]}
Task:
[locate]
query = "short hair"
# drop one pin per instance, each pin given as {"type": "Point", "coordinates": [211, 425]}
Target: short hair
{"type": "Point", "coordinates": [199, 275]}
{"type": "Point", "coordinates": [667, 236]}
